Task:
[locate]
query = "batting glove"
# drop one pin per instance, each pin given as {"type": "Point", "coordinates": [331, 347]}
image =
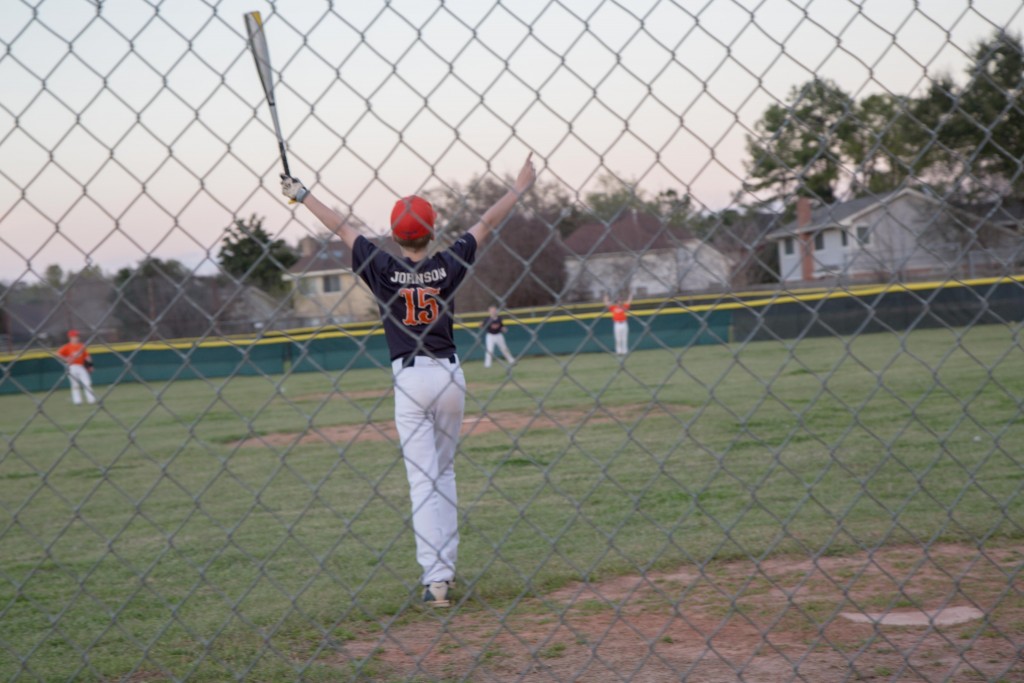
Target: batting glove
{"type": "Point", "coordinates": [293, 189]}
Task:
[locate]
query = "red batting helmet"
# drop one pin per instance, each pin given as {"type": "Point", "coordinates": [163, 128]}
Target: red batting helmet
{"type": "Point", "coordinates": [412, 218]}
{"type": "Point", "coordinates": [72, 333]}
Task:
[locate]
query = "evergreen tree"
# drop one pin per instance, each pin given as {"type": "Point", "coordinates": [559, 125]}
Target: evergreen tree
{"type": "Point", "coordinates": [991, 135]}
{"type": "Point", "coordinates": [797, 146]}
{"type": "Point", "coordinates": [156, 299]}
{"type": "Point", "coordinates": [249, 255]}
{"type": "Point", "coordinates": [880, 147]}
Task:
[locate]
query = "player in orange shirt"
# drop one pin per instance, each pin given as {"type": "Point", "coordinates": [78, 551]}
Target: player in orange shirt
{"type": "Point", "coordinates": [621, 327]}
{"type": "Point", "coordinates": [75, 356]}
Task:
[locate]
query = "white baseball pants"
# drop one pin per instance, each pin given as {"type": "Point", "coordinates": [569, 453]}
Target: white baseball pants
{"type": "Point", "coordinates": [81, 382]}
{"type": "Point", "coordinates": [621, 337]}
{"type": "Point", "coordinates": [430, 399]}
{"type": "Point", "coordinates": [496, 340]}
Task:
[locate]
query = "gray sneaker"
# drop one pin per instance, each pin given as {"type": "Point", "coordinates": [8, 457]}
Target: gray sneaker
{"type": "Point", "coordinates": [436, 594]}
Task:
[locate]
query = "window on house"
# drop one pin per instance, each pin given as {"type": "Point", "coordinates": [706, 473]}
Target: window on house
{"type": "Point", "coordinates": [307, 286]}
{"type": "Point", "coordinates": [332, 283]}
{"type": "Point", "coordinates": [819, 241]}
{"type": "Point", "coordinates": [787, 246]}
{"type": "Point", "coordinates": [863, 234]}
{"type": "Point", "coordinates": [844, 237]}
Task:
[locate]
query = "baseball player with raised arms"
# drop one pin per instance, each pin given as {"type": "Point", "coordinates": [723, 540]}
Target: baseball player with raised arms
{"type": "Point", "coordinates": [415, 295]}
{"type": "Point", "coordinates": [619, 311]}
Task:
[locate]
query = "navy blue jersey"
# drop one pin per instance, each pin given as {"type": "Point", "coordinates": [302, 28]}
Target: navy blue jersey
{"type": "Point", "coordinates": [494, 325]}
{"type": "Point", "coordinates": [416, 299]}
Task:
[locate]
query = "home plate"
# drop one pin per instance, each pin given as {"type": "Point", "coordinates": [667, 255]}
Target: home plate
{"type": "Point", "coordinates": [941, 617]}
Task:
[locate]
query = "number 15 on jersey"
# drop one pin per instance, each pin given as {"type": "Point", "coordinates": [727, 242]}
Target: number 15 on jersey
{"type": "Point", "coordinates": [420, 305]}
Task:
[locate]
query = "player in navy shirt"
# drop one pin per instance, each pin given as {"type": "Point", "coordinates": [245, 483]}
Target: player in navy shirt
{"type": "Point", "coordinates": [415, 298]}
{"type": "Point", "coordinates": [494, 338]}
{"type": "Point", "coordinates": [415, 295]}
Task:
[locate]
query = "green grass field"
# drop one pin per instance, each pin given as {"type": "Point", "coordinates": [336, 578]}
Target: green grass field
{"type": "Point", "coordinates": [138, 539]}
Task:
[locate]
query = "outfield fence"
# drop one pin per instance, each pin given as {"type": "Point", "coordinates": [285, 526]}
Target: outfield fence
{"type": "Point", "coordinates": [543, 331]}
{"type": "Point", "coordinates": [807, 467]}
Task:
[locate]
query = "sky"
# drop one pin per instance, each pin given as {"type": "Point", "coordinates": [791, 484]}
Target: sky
{"type": "Point", "coordinates": [135, 128]}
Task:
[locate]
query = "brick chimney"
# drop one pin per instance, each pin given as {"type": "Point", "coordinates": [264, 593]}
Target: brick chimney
{"type": "Point", "coordinates": [308, 246]}
{"type": "Point", "coordinates": [805, 239]}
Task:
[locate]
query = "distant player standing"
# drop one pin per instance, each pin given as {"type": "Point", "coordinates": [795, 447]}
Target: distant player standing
{"type": "Point", "coordinates": [620, 324]}
{"type": "Point", "coordinates": [415, 295]}
{"type": "Point", "coordinates": [75, 357]}
{"type": "Point", "coordinates": [494, 336]}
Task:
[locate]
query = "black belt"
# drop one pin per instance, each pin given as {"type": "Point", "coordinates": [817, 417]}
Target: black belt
{"type": "Point", "coordinates": [410, 360]}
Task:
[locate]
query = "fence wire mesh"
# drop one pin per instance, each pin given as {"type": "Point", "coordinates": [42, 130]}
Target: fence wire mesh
{"type": "Point", "coordinates": [749, 412]}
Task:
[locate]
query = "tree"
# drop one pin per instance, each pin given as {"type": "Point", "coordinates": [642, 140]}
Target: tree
{"type": "Point", "coordinates": [88, 293]}
{"type": "Point", "coordinates": [54, 276]}
{"type": "Point", "coordinates": [740, 234]}
{"type": "Point", "coordinates": [462, 205]}
{"type": "Point", "coordinates": [881, 148]}
{"type": "Point", "coordinates": [797, 147]}
{"type": "Point", "coordinates": [969, 138]}
{"type": "Point", "coordinates": [614, 197]}
{"type": "Point", "coordinates": [991, 130]}
{"type": "Point", "coordinates": [158, 298]}
{"type": "Point", "coordinates": [934, 113]}
{"type": "Point", "coordinates": [964, 141]}
{"type": "Point", "coordinates": [249, 255]}
{"type": "Point", "coordinates": [673, 208]}
{"type": "Point", "coordinates": [525, 266]}
{"type": "Point", "coordinates": [521, 264]}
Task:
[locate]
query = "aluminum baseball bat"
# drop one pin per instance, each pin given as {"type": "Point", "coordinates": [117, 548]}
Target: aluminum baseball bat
{"type": "Point", "coordinates": [261, 53]}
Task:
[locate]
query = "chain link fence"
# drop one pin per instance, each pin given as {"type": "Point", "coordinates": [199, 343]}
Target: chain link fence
{"type": "Point", "coordinates": [795, 461]}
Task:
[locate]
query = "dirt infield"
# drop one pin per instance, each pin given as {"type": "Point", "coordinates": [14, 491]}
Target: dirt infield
{"type": "Point", "coordinates": [512, 422]}
{"type": "Point", "coordinates": [778, 620]}
{"type": "Point", "coordinates": [950, 613]}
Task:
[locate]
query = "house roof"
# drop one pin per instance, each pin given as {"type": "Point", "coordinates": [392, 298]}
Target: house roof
{"type": "Point", "coordinates": [326, 256]}
{"type": "Point", "coordinates": [833, 214]}
{"type": "Point", "coordinates": [334, 255]}
{"type": "Point", "coordinates": [751, 224]}
{"type": "Point", "coordinates": [841, 213]}
{"type": "Point", "coordinates": [633, 231]}
{"type": "Point", "coordinates": [844, 213]}
{"type": "Point", "coordinates": [1007, 211]}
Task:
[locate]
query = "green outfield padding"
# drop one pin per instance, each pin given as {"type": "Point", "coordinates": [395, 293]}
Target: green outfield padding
{"type": "Point", "coordinates": [654, 324]}
{"type": "Point", "coordinates": [152, 365]}
{"type": "Point", "coordinates": [568, 335]}
{"type": "Point", "coordinates": [31, 375]}
{"type": "Point", "coordinates": [142, 364]}
{"type": "Point", "coordinates": [895, 309]}
{"type": "Point", "coordinates": [334, 351]}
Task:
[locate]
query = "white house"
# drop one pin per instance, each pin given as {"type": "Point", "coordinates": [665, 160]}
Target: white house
{"type": "Point", "coordinates": [639, 254]}
{"type": "Point", "coordinates": [325, 289]}
{"type": "Point", "coordinates": [903, 235]}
